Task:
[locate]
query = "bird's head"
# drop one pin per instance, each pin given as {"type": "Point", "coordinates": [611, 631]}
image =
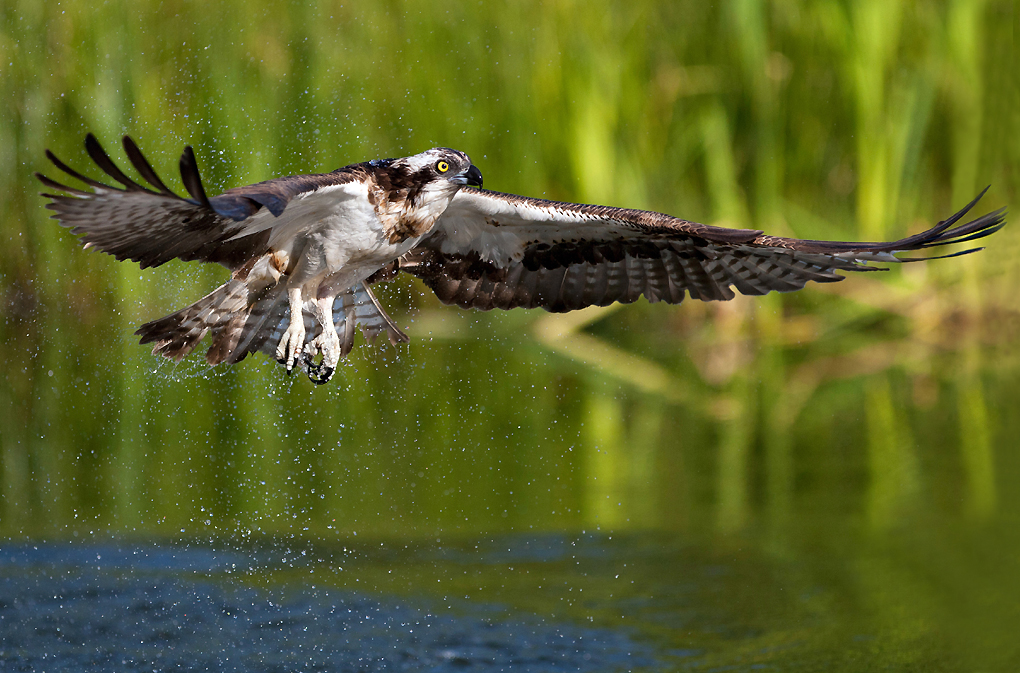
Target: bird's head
{"type": "Point", "coordinates": [438, 167]}
{"type": "Point", "coordinates": [417, 189]}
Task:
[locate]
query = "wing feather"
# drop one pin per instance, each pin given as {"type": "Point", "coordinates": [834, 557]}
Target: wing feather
{"type": "Point", "coordinates": [492, 250]}
{"type": "Point", "coordinates": [503, 293]}
{"type": "Point", "coordinates": [675, 276]}
{"type": "Point", "coordinates": [143, 167]}
{"type": "Point", "coordinates": [657, 285]}
{"type": "Point", "coordinates": [596, 290]}
{"type": "Point", "coordinates": [191, 179]}
{"type": "Point", "coordinates": [103, 160]}
{"type": "Point", "coordinates": [153, 227]}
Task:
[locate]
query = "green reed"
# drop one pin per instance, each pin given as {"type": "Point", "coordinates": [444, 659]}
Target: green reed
{"type": "Point", "coordinates": [818, 119]}
{"type": "Point", "coordinates": [873, 398]}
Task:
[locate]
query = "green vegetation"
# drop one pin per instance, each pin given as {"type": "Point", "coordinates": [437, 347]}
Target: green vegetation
{"type": "Point", "coordinates": [863, 428]}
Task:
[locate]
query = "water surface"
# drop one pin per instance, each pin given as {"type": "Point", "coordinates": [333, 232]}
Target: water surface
{"type": "Point", "coordinates": [817, 481]}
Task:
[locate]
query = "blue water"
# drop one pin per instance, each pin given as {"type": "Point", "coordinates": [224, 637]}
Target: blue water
{"type": "Point", "coordinates": [130, 607]}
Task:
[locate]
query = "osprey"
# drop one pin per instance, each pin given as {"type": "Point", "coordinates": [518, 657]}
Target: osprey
{"type": "Point", "coordinates": [304, 250]}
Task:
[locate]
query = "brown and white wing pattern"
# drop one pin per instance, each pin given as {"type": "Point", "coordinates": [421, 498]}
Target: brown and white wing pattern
{"type": "Point", "coordinates": [492, 250]}
{"type": "Point", "coordinates": [154, 225]}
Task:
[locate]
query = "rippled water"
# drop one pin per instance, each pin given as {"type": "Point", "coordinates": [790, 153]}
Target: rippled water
{"type": "Point", "coordinates": [818, 481]}
{"type": "Point", "coordinates": [116, 607]}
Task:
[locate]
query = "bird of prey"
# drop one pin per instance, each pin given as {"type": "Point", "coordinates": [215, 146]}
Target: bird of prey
{"type": "Point", "coordinates": [305, 250]}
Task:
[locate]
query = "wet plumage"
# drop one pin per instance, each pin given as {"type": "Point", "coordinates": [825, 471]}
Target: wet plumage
{"type": "Point", "coordinates": [304, 250]}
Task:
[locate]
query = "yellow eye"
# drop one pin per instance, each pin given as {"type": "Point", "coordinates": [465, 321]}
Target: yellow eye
{"type": "Point", "coordinates": [442, 166]}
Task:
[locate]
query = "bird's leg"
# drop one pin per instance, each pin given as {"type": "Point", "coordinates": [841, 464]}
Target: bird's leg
{"type": "Point", "coordinates": [293, 340]}
{"type": "Point", "coordinates": [328, 342]}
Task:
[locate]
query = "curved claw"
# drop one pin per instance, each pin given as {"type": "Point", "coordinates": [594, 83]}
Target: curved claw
{"type": "Point", "coordinates": [291, 348]}
{"type": "Point", "coordinates": [319, 373]}
{"type": "Point", "coordinates": [283, 361]}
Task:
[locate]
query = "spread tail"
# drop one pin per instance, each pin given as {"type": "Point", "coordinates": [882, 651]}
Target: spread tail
{"type": "Point", "coordinates": [242, 322]}
{"type": "Point", "coordinates": [176, 335]}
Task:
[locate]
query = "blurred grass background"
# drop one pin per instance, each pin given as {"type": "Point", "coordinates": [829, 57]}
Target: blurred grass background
{"type": "Point", "coordinates": [886, 404]}
{"type": "Point", "coordinates": [866, 120]}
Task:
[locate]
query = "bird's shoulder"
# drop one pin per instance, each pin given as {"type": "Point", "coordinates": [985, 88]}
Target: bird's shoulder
{"type": "Point", "coordinates": [275, 194]}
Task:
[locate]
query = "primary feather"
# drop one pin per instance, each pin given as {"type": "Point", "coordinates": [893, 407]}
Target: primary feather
{"type": "Point", "coordinates": [304, 250]}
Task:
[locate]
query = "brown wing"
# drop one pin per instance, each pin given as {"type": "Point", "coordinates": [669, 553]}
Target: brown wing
{"type": "Point", "coordinates": [153, 227]}
{"type": "Point", "coordinates": [492, 250]}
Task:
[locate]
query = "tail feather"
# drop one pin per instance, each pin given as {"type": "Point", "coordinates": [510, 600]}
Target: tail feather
{"type": "Point", "coordinates": [261, 325]}
{"type": "Point", "coordinates": [232, 342]}
{"type": "Point", "coordinates": [270, 317]}
{"type": "Point", "coordinates": [242, 324]}
{"type": "Point", "coordinates": [177, 334]}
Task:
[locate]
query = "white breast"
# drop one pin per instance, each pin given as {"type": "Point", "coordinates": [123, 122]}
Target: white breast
{"type": "Point", "coordinates": [332, 232]}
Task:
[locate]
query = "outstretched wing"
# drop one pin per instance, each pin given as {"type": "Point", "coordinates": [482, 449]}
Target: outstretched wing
{"type": "Point", "coordinates": [153, 226]}
{"type": "Point", "coordinates": [492, 250]}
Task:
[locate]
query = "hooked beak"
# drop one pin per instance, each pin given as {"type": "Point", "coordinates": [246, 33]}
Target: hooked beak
{"type": "Point", "coordinates": [472, 176]}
